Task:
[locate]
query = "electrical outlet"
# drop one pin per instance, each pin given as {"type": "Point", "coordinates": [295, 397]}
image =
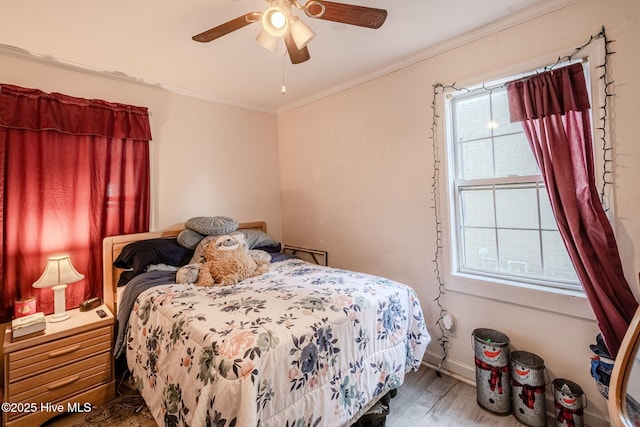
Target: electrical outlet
{"type": "Point", "coordinates": [451, 333]}
{"type": "Point", "coordinates": [449, 324]}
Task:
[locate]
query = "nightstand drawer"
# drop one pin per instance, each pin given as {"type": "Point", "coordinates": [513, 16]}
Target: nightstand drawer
{"type": "Point", "coordinates": [43, 357]}
{"type": "Point", "coordinates": [66, 380]}
{"type": "Point", "coordinates": [93, 380]}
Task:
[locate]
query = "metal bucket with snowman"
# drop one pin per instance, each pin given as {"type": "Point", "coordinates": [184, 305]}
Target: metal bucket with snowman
{"type": "Point", "coordinates": [528, 388]}
{"type": "Point", "coordinates": [569, 400]}
{"type": "Point", "coordinates": [491, 351]}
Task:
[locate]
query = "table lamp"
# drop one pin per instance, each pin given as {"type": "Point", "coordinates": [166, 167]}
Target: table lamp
{"type": "Point", "coordinates": [57, 274]}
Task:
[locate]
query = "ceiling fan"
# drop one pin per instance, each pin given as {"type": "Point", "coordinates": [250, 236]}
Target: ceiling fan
{"type": "Point", "coordinates": [278, 22]}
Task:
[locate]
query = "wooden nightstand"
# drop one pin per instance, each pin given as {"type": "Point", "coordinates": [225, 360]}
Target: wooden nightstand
{"type": "Point", "coordinates": [69, 368]}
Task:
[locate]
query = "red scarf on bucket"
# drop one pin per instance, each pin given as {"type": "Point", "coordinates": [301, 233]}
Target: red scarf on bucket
{"type": "Point", "coordinates": [528, 394]}
{"type": "Point", "coordinates": [566, 414]}
{"type": "Point", "coordinates": [496, 374]}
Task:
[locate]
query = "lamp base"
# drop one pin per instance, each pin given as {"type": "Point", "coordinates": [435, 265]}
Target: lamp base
{"type": "Point", "coordinates": [60, 306]}
{"type": "Point", "coordinates": [59, 317]}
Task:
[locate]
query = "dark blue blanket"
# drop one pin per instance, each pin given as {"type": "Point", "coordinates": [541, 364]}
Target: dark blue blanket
{"type": "Point", "coordinates": [138, 284]}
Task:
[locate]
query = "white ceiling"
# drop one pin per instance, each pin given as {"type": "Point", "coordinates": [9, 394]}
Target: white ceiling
{"type": "Point", "coordinates": [151, 41]}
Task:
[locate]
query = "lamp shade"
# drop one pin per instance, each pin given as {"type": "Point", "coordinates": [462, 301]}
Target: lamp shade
{"type": "Point", "coordinates": [301, 33]}
{"type": "Point", "coordinates": [57, 272]}
{"type": "Point", "coordinates": [56, 275]}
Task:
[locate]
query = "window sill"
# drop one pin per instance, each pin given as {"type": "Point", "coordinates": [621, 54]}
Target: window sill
{"type": "Point", "coordinates": [566, 302]}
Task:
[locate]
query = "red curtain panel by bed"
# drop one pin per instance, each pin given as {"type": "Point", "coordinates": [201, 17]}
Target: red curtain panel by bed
{"type": "Point", "coordinates": [554, 109]}
{"type": "Point", "coordinates": [72, 171]}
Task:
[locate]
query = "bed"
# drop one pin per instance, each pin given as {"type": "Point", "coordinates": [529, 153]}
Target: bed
{"type": "Point", "coordinates": [302, 345]}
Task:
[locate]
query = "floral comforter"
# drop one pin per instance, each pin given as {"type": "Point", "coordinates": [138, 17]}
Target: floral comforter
{"type": "Point", "coordinates": [302, 345]}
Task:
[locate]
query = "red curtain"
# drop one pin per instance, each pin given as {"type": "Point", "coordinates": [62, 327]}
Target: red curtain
{"type": "Point", "coordinates": [554, 109]}
{"type": "Point", "coordinates": [72, 171]}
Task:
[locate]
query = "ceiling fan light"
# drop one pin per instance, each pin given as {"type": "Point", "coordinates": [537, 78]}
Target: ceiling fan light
{"type": "Point", "coordinates": [267, 41]}
{"type": "Point", "coordinates": [301, 33]}
{"type": "Point", "coordinates": [274, 21]}
{"type": "Point", "coordinates": [277, 19]}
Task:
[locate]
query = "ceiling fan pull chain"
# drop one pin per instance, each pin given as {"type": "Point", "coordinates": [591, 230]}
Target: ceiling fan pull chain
{"type": "Point", "coordinates": [283, 90]}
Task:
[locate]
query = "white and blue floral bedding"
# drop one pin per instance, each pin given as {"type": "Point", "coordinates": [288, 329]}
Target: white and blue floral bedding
{"type": "Point", "coordinates": [303, 345]}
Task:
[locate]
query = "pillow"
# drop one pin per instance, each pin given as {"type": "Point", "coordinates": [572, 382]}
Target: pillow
{"type": "Point", "coordinates": [137, 256]}
{"type": "Point", "coordinates": [282, 257]}
{"type": "Point", "coordinates": [270, 249]}
{"type": "Point", "coordinates": [125, 277]}
{"type": "Point", "coordinates": [212, 225]}
{"type": "Point", "coordinates": [189, 238]}
{"type": "Point", "coordinates": [259, 239]}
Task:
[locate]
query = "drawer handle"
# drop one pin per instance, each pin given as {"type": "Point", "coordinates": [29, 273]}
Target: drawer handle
{"type": "Point", "coordinates": [64, 351]}
{"type": "Point", "coordinates": [64, 382]}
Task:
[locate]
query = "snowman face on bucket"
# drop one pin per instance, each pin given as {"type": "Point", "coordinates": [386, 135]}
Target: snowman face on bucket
{"type": "Point", "coordinates": [493, 355]}
{"type": "Point", "coordinates": [568, 399]}
{"type": "Point", "coordinates": [521, 372]}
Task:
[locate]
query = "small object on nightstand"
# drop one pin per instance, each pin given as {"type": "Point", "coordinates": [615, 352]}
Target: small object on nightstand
{"type": "Point", "coordinates": [90, 304]}
{"type": "Point", "coordinates": [101, 313]}
{"type": "Point", "coordinates": [24, 307]}
{"type": "Point", "coordinates": [27, 325]}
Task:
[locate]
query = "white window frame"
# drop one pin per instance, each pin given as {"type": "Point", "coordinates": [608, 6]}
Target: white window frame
{"type": "Point", "coordinates": [494, 185]}
{"type": "Point", "coordinates": [526, 293]}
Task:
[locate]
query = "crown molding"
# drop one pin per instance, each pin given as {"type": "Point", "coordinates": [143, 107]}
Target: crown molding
{"type": "Point", "coordinates": [528, 14]}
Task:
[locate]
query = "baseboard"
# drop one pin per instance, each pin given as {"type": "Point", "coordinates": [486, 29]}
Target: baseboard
{"type": "Point", "coordinates": [467, 374]}
{"type": "Point", "coordinates": [455, 369]}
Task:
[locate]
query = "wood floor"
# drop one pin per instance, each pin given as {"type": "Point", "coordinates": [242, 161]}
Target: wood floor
{"type": "Point", "coordinates": [424, 400]}
{"type": "Point", "coordinates": [428, 400]}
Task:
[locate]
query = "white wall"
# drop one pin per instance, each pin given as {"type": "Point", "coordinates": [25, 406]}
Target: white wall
{"type": "Point", "coordinates": [356, 172]}
{"type": "Point", "coordinates": [206, 158]}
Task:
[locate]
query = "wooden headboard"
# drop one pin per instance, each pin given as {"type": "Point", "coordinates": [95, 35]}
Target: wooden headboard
{"type": "Point", "coordinates": [112, 246]}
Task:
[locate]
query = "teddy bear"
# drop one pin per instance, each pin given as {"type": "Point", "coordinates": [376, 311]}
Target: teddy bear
{"type": "Point", "coordinates": [227, 261]}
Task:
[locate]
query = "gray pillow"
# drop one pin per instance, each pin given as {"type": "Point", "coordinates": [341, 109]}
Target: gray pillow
{"type": "Point", "coordinates": [189, 238]}
{"type": "Point", "coordinates": [212, 225]}
{"type": "Point", "coordinates": [258, 239]}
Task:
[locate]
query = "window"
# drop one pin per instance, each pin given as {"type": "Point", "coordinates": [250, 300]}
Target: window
{"type": "Point", "coordinates": [504, 225]}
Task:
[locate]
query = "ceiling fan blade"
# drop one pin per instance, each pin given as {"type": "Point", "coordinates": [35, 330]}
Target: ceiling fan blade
{"type": "Point", "coordinates": [296, 55]}
{"type": "Point", "coordinates": [227, 27]}
{"type": "Point", "coordinates": [346, 13]}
